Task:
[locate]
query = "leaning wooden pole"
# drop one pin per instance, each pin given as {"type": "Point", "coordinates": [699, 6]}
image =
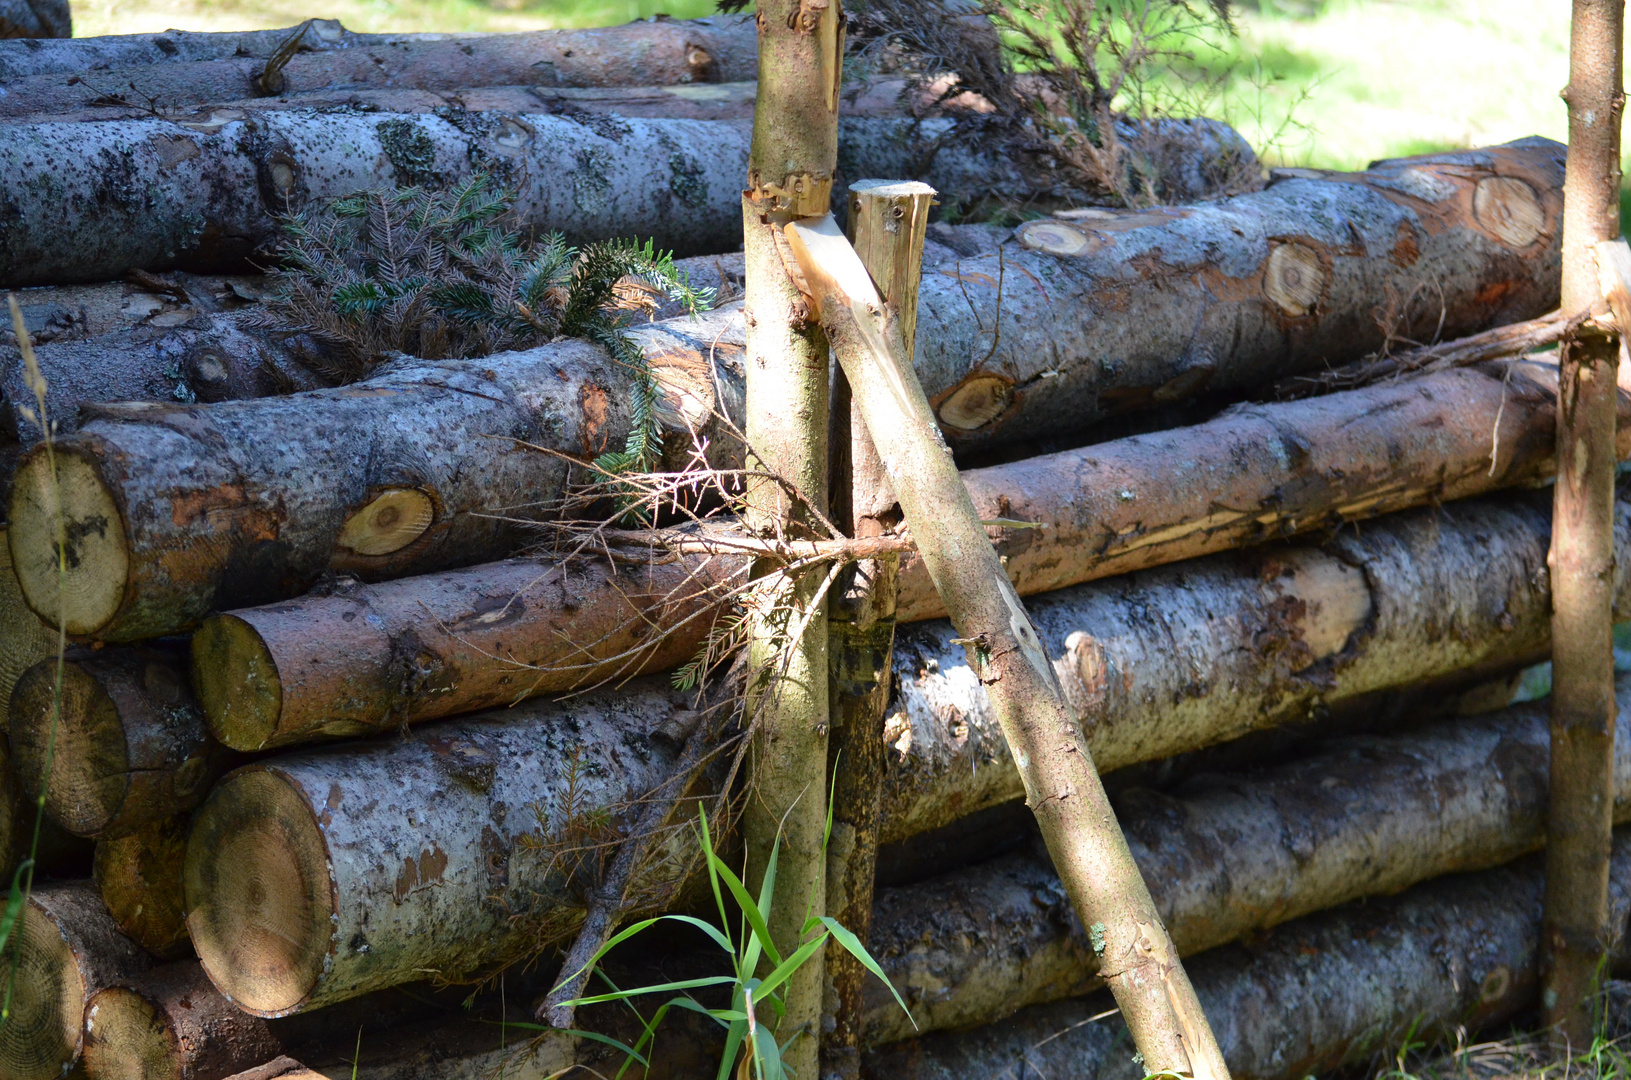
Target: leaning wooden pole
{"type": "Point", "coordinates": [1582, 555]}
{"type": "Point", "coordinates": [887, 224]}
{"type": "Point", "coordinates": [1061, 785]}
{"type": "Point", "coordinates": [791, 162]}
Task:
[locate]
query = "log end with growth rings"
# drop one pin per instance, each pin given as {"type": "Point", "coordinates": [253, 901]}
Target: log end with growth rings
{"type": "Point", "coordinates": [96, 556]}
{"type": "Point", "coordinates": [237, 683]}
{"type": "Point", "coordinates": [257, 892]}
{"type": "Point", "coordinates": [390, 522]}
{"type": "Point", "coordinates": [42, 1033]}
{"type": "Point", "coordinates": [83, 763]}
{"type": "Point", "coordinates": [127, 1039]}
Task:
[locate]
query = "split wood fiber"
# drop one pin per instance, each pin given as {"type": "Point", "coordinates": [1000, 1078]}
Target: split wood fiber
{"type": "Point", "coordinates": [655, 52]}
{"type": "Point", "coordinates": [183, 510]}
{"type": "Point", "coordinates": [65, 949]}
{"type": "Point", "coordinates": [887, 225]}
{"type": "Point", "coordinates": [1190, 655]}
{"type": "Point", "coordinates": [1458, 953]}
{"type": "Point", "coordinates": [318, 877]}
{"type": "Point", "coordinates": [139, 878]}
{"type": "Point", "coordinates": [1228, 856]}
{"type": "Point", "coordinates": [1038, 722]}
{"type": "Point", "coordinates": [206, 196]}
{"type": "Point", "coordinates": [1576, 933]}
{"type": "Point", "coordinates": [171, 1024]}
{"type": "Point", "coordinates": [126, 743]}
{"type": "Point", "coordinates": [355, 662]}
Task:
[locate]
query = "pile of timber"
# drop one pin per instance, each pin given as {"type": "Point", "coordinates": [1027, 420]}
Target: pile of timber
{"type": "Point", "coordinates": [310, 753]}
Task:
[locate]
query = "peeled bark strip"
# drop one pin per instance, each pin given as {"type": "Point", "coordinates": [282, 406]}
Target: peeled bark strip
{"type": "Point", "coordinates": [249, 462]}
{"type": "Point", "coordinates": [139, 878]}
{"type": "Point", "coordinates": [1038, 722]}
{"type": "Point", "coordinates": [171, 1024]}
{"type": "Point", "coordinates": [1229, 856]}
{"type": "Point", "coordinates": [1316, 994]}
{"type": "Point", "coordinates": [1237, 643]}
{"type": "Point", "coordinates": [317, 877]}
{"type": "Point", "coordinates": [66, 949]}
{"type": "Point", "coordinates": [654, 52]}
{"type": "Point", "coordinates": [130, 747]}
{"type": "Point", "coordinates": [351, 663]}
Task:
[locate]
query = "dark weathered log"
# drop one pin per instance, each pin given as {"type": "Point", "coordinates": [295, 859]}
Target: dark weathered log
{"type": "Point", "coordinates": [127, 747]}
{"type": "Point", "coordinates": [1229, 856]}
{"type": "Point", "coordinates": [1237, 643]}
{"type": "Point", "coordinates": [171, 1024]}
{"type": "Point", "coordinates": [652, 52]}
{"type": "Point", "coordinates": [284, 673]}
{"type": "Point", "coordinates": [35, 19]}
{"type": "Point", "coordinates": [267, 472]}
{"type": "Point", "coordinates": [466, 833]}
{"type": "Point", "coordinates": [139, 877]}
{"type": "Point", "coordinates": [66, 948]}
{"type": "Point", "coordinates": [1316, 994]}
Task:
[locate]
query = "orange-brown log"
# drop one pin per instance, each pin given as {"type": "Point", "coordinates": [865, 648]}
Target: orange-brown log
{"type": "Point", "coordinates": [414, 649]}
{"type": "Point", "coordinates": [139, 877]}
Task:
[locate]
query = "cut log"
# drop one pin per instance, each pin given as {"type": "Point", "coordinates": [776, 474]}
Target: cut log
{"type": "Point", "coordinates": [139, 877]}
{"type": "Point", "coordinates": [1236, 643]}
{"type": "Point", "coordinates": [352, 662]}
{"type": "Point", "coordinates": [655, 52]}
{"type": "Point", "coordinates": [1457, 954]}
{"type": "Point", "coordinates": [467, 834]}
{"type": "Point", "coordinates": [205, 196]}
{"type": "Point", "coordinates": [35, 19]}
{"type": "Point", "coordinates": [1229, 856]}
{"type": "Point", "coordinates": [65, 950]}
{"type": "Point", "coordinates": [128, 746]}
{"type": "Point", "coordinates": [171, 1024]}
{"type": "Point", "coordinates": [24, 640]}
{"type": "Point", "coordinates": [281, 509]}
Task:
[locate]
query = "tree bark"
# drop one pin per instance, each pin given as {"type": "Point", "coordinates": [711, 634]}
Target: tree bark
{"type": "Point", "coordinates": [1234, 644]}
{"type": "Point", "coordinates": [1039, 724]}
{"type": "Point", "coordinates": [1331, 990]}
{"type": "Point", "coordinates": [171, 1024]}
{"type": "Point", "coordinates": [1230, 856]}
{"type": "Point", "coordinates": [139, 877]}
{"type": "Point", "coordinates": [1575, 936]}
{"type": "Point", "coordinates": [66, 948]}
{"type": "Point", "coordinates": [477, 836]}
{"type": "Point", "coordinates": [790, 173]}
{"type": "Point", "coordinates": [656, 52]}
{"type": "Point", "coordinates": [356, 433]}
{"type": "Point", "coordinates": [35, 19]}
{"type": "Point", "coordinates": [130, 746]}
{"type": "Point", "coordinates": [887, 224]}
{"type": "Point", "coordinates": [353, 662]}
{"type": "Point", "coordinates": [206, 196]}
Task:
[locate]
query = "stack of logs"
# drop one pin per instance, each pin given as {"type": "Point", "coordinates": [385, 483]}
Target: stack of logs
{"type": "Point", "coordinates": [268, 584]}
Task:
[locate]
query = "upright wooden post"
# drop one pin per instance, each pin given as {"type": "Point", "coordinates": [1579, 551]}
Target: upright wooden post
{"type": "Point", "coordinates": [1061, 785]}
{"type": "Point", "coordinates": [790, 175]}
{"type": "Point", "coordinates": [887, 224]}
{"type": "Point", "coordinates": [1582, 555]}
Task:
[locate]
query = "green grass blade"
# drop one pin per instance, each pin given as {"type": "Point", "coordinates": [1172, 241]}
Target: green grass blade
{"type": "Point", "coordinates": [733, 1046]}
{"type": "Point", "coordinates": [786, 968]}
{"type": "Point", "coordinates": [853, 946]}
{"type": "Point", "coordinates": [659, 988]}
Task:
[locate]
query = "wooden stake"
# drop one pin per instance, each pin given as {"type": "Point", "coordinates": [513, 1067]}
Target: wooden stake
{"type": "Point", "coordinates": [887, 224]}
{"type": "Point", "coordinates": [790, 173]}
{"type": "Point", "coordinates": [1574, 935]}
{"type": "Point", "coordinates": [1062, 787]}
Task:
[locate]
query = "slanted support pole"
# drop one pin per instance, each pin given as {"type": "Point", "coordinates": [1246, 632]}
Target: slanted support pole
{"type": "Point", "coordinates": [887, 224]}
{"type": "Point", "coordinates": [1582, 556]}
{"type": "Point", "coordinates": [791, 162]}
{"type": "Point", "coordinates": [1061, 785]}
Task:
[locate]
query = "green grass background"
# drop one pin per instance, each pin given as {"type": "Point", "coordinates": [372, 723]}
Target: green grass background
{"type": "Point", "coordinates": [1341, 81]}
